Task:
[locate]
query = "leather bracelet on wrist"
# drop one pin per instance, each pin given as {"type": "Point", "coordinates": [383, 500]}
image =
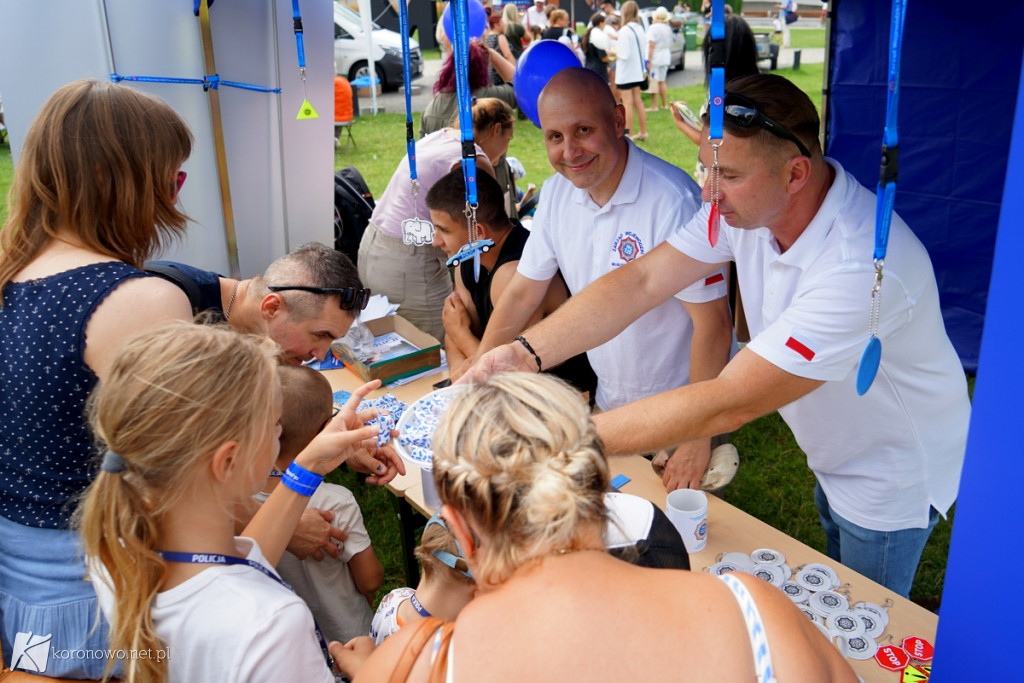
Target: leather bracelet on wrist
{"type": "Point", "coordinates": [529, 348]}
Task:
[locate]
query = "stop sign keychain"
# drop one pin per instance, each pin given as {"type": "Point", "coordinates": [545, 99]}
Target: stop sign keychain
{"type": "Point", "coordinates": [919, 648]}
{"type": "Point", "coordinates": [892, 658]}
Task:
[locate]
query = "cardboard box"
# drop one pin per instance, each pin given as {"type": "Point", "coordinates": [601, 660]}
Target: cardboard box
{"type": "Point", "coordinates": [428, 356]}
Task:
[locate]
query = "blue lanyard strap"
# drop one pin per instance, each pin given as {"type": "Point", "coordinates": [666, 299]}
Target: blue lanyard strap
{"type": "Point", "coordinates": [216, 558]}
{"type": "Point", "coordinates": [460, 50]}
{"type": "Point", "coordinates": [460, 17]}
{"type": "Point", "coordinates": [297, 25]}
{"type": "Point", "coordinates": [889, 170]}
{"type": "Point", "coordinates": [867, 368]}
{"type": "Point", "coordinates": [716, 60]}
{"type": "Point", "coordinates": [420, 609]}
{"type": "Point", "coordinates": [410, 141]}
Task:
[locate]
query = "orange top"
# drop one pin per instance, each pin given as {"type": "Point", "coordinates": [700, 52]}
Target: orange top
{"type": "Point", "coordinates": [342, 99]}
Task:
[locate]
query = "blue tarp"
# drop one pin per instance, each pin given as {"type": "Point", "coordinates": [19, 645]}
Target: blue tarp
{"type": "Point", "coordinates": [960, 71]}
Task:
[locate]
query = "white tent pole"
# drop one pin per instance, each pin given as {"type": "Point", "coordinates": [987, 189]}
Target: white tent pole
{"type": "Point", "coordinates": [371, 67]}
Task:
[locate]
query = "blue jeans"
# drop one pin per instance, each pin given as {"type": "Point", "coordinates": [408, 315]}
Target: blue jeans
{"type": "Point", "coordinates": [886, 557]}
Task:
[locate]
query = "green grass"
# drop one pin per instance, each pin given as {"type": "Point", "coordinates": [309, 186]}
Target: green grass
{"type": "Point", "coordinates": [773, 484]}
{"type": "Point", "coordinates": [6, 176]}
{"type": "Point", "coordinates": [808, 37]}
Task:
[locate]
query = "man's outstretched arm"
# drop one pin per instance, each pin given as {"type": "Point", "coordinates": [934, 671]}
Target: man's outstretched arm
{"type": "Point", "coordinates": [598, 313]}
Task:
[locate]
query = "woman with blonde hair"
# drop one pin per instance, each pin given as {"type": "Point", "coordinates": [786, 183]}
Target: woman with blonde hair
{"type": "Point", "coordinates": [516, 34]}
{"type": "Point", "coordinates": [631, 68]}
{"type": "Point", "coordinates": [95, 195]}
{"type": "Point", "coordinates": [520, 472]}
{"type": "Point", "coordinates": [190, 419]}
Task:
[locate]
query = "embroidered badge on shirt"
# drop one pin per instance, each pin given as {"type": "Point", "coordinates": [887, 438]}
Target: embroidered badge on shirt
{"type": "Point", "coordinates": [802, 345]}
{"type": "Point", "coordinates": [627, 247]}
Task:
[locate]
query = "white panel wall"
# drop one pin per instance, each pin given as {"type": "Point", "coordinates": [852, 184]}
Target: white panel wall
{"type": "Point", "coordinates": [280, 169]}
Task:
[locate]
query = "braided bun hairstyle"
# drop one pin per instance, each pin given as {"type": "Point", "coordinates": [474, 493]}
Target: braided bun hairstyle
{"type": "Point", "coordinates": [519, 455]}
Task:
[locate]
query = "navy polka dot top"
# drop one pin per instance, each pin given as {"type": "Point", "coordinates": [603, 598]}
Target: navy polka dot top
{"type": "Point", "coordinates": [46, 448]}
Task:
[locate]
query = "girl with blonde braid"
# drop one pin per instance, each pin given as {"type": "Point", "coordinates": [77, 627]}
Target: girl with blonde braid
{"type": "Point", "coordinates": [521, 473]}
{"type": "Point", "coordinates": [189, 416]}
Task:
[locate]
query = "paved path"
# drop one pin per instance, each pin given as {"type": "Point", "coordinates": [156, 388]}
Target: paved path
{"type": "Point", "coordinates": [693, 74]}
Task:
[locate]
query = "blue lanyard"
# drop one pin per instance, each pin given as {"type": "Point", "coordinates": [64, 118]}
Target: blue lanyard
{"type": "Point", "coordinates": [297, 24]}
{"type": "Point", "coordinates": [410, 142]}
{"type": "Point", "coordinates": [716, 59]}
{"type": "Point", "coordinates": [890, 138]}
{"type": "Point", "coordinates": [216, 558]}
{"type": "Point", "coordinates": [420, 609]}
{"type": "Point", "coordinates": [867, 368]}
{"type": "Point", "coordinates": [460, 50]}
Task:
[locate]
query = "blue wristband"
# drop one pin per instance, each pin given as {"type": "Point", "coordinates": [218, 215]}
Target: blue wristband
{"type": "Point", "coordinates": [300, 480]}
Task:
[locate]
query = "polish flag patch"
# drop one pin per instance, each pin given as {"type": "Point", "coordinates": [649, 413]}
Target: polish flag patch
{"type": "Point", "coordinates": [802, 345]}
{"type": "Point", "coordinates": [714, 279]}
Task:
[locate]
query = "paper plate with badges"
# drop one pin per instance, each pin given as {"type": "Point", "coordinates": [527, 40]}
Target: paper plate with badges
{"type": "Point", "coordinates": [418, 422]}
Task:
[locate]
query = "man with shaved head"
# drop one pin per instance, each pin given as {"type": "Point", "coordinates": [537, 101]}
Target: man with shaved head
{"type": "Point", "coordinates": [610, 203]}
{"type": "Point", "coordinates": [886, 456]}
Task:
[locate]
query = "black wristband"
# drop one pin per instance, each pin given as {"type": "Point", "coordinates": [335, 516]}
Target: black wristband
{"type": "Point", "coordinates": [529, 348]}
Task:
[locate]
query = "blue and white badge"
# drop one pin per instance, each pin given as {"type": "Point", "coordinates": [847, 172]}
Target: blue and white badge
{"type": "Point", "coordinates": [627, 247]}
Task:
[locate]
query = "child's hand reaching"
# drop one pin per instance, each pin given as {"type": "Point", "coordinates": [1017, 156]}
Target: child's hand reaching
{"type": "Point", "coordinates": [347, 437]}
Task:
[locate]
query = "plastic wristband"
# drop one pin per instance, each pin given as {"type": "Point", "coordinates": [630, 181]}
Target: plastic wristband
{"type": "Point", "coordinates": [301, 480]}
{"type": "Point", "coordinates": [529, 348]}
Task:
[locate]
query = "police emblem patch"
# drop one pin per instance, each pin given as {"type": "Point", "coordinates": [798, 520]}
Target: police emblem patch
{"type": "Point", "coordinates": [626, 248]}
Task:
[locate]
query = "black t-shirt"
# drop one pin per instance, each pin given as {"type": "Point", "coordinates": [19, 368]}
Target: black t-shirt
{"type": "Point", "coordinates": [554, 33]}
{"type": "Point", "coordinates": [576, 371]}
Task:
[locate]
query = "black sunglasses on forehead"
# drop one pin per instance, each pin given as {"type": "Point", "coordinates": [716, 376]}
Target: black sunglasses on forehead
{"type": "Point", "coordinates": [745, 114]}
{"type": "Point", "coordinates": [351, 298]}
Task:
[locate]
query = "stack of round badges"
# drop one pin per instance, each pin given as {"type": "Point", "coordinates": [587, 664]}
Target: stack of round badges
{"type": "Point", "coordinates": [813, 587]}
{"type": "Point", "coordinates": [417, 425]}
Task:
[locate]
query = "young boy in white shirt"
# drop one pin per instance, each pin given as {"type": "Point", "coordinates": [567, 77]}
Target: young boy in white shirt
{"type": "Point", "coordinates": [340, 591]}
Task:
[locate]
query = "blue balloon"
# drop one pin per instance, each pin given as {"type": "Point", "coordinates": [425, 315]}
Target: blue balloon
{"type": "Point", "coordinates": [538, 63]}
{"type": "Point", "coordinates": [477, 20]}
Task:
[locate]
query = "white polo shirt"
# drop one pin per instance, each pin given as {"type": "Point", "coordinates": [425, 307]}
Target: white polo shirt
{"type": "Point", "coordinates": [885, 457]}
{"type": "Point", "coordinates": [535, 17]}
{"type": "Point", "coordinates": [573, 234]}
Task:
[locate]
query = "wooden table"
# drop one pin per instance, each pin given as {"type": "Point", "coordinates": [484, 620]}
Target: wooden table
{"type": "Point", "coordinates": [729, 530]}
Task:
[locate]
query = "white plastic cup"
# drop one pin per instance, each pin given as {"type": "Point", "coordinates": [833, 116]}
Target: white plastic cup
{"type": "Point", "coordinates": [430, 497]}
{"type": "Point", "coordinates": [688, 511]}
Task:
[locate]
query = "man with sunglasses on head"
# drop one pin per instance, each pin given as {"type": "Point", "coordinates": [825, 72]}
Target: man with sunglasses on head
{"type": "Point", "coordinates": [303, 301]}
{"type": "Point", "coordinates": [801, 231]}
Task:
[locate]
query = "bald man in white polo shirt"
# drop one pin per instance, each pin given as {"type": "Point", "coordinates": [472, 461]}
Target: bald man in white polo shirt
{"type": "Point", "coordinates": [609, 204]}
{"type": "Point", "coordinates": [801, 231]}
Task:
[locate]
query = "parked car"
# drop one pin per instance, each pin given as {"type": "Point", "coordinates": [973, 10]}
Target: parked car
{"type": "Point", "coordinates": [350, 50]}
{"type": "Point", "coordinates": [678, 48]}
{"type": "Point", "coordinates": [767, 49]}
